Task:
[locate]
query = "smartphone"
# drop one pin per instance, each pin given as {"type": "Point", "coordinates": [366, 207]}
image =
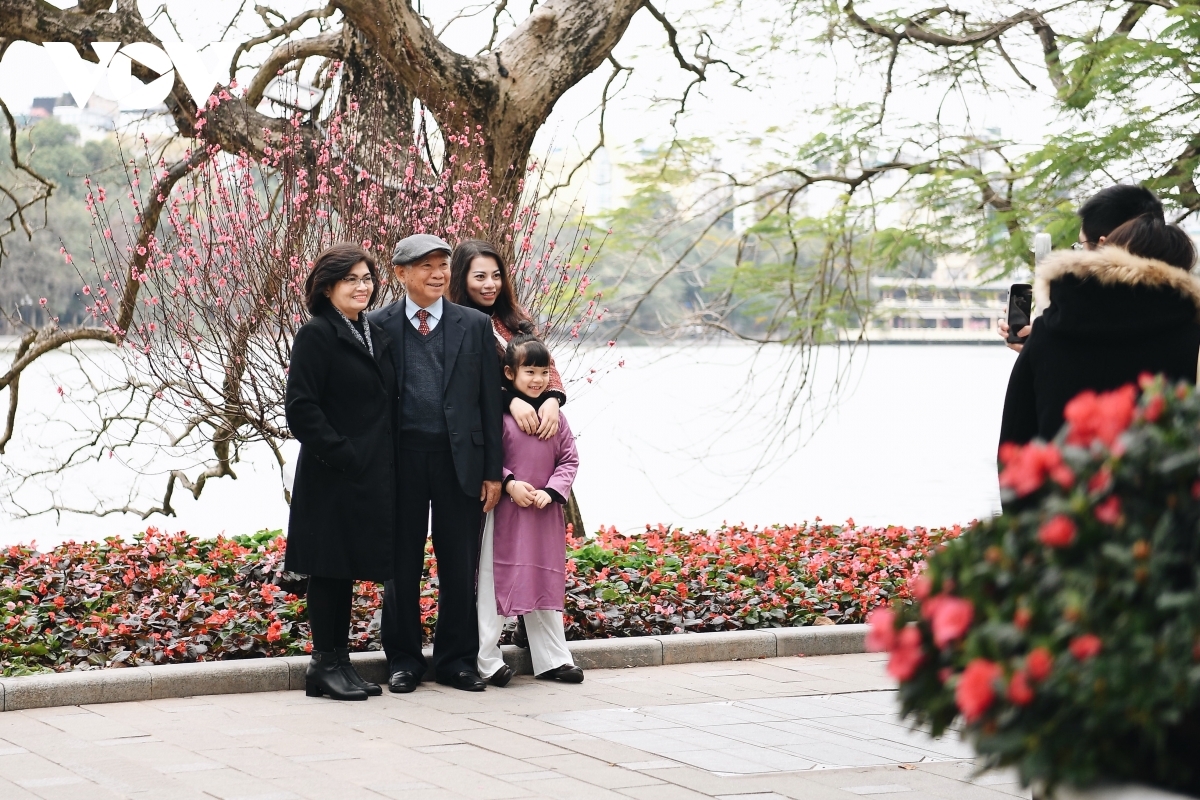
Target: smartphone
{"type": "Point", "coordinates": [1020, 310]}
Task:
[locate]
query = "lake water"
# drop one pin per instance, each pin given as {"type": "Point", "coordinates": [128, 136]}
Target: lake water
{"type": "Point", "coordinates": [689, 436]}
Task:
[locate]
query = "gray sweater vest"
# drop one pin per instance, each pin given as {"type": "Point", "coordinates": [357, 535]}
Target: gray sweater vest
{"type": "Point", "coordinates": [422, 418]}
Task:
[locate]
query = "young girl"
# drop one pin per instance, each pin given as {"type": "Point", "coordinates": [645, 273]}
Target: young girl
{"type": "Point", "coordinates": [522, 566]}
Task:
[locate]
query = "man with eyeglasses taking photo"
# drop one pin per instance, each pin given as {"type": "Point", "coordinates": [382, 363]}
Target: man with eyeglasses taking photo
{"type": "Point", "coordinates": [1103, 213]}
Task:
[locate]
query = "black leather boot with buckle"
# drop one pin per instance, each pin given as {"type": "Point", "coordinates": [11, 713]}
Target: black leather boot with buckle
{"type": "Point", "coordinates": [325, 676]}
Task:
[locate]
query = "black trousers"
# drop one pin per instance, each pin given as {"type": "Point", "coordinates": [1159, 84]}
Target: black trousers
{"type": "Point", "coordinates": [329, 603]}
{"type": "Point", "coordinates": [428, 480]}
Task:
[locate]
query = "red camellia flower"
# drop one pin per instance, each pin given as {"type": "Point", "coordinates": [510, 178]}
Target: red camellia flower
{"type": "Point", "coordinates": [1101, 480]}
{"type": "Point", "coordinates": [1100, 417]}
{"type": "Point", "coordinates": [1026, 467]}
{"type": "Point", "coordinates": [881, 636]}
{"type": "Point", "coordinates": [1058, 531]}
{"type": "Point", "coordinates": [1022, 617]}
{"type": "Point", "coordinates": [1108, 512]}
{"type": "Point", "coordinates": [1085, 646]}
{"type": "Point", "coordinates": [951, 616]}
{"type": "Point", "coordinates": [1038, 663]}
{"type": "Point", "coordinates": [906, 654]}
{"type": "Point", "coordinates": [976, 688]}
{"type": "Point", "coordinates": [1154, 408]}
{"type": "Point", "coordinates": [1019, 690]}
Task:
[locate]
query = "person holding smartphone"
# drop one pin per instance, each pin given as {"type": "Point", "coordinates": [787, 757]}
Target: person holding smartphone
{"type": "Point", "coordinates": [1127, 307]}
{"type": "Point", "coordinates": [1099, 217]}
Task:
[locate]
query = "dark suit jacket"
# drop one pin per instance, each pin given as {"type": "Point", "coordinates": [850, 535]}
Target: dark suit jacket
{"type": "Point", "coordinates": [470, 389]}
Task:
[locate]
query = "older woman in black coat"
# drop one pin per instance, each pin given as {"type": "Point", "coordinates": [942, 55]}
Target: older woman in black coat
{"type": "Point", "coordinates": [341, 399]}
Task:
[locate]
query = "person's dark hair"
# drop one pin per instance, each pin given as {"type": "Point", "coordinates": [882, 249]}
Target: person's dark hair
{"type": "Point", "coordinates": [506, 308]}
{"type": "Point", "coordinates": [1151, 237]}
{"type": "Point", "coordinates": [1110, 208]}
{"type": "Point", "coordinates": [333, 264]}
{"type": "Point", "coordinates": [525, 349]}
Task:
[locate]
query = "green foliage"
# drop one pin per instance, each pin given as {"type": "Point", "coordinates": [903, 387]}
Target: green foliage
{"type": "Point", "coordinates": [678, 262]}
{"type": "Point", "coordinates": [1094, 568]}
{"type": "Point", "coordinates": [33, 267]}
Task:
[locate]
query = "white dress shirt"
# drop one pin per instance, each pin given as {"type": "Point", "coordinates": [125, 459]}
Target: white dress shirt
{"type": "Point", "coordinates": [435, 313]}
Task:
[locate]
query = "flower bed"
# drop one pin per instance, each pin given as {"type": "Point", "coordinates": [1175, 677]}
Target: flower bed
{"type": "Point", "coordinates": [164, 598]}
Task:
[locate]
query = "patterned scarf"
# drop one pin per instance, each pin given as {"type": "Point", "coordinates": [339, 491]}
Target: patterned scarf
{"type": "Point", "coordinates": [365, 337]}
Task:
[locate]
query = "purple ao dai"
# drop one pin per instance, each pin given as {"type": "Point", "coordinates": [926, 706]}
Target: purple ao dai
{"type": "Point", "coordinates": [530, 549]}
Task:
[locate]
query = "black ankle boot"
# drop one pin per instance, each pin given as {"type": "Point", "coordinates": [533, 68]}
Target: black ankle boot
{"type": "Point", "coordinates": [325, 676]}
{"type": "Point", "coordinates": [343, 660]}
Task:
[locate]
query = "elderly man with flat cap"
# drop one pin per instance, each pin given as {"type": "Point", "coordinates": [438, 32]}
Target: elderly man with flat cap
{"type": "Point", "coordinates": [448, 459]}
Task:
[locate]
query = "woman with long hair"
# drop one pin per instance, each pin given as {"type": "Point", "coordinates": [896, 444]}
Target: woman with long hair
{"type": "Point", "coordinates": [341, 407]}
{"type": "Point", "coordinates": [479, 279]}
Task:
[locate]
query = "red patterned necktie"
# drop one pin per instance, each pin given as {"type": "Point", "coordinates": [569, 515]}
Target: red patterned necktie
{"type": "Point", "coordinates": [423, 316]}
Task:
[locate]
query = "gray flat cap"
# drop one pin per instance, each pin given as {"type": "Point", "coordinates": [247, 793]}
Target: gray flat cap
{"type": "Point", "coordinates": [415, 247]}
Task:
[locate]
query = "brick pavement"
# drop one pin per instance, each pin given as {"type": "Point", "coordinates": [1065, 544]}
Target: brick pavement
{"type": "Point", "coordinates": [769, 729]}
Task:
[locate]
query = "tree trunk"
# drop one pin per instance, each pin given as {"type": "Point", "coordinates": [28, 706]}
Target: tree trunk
{"type": "Point", "coordinates": [573, 516]}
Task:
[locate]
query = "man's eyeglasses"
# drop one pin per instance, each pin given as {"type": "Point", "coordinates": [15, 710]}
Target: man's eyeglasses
{"type": "Point", "coordinates": [365, 280]}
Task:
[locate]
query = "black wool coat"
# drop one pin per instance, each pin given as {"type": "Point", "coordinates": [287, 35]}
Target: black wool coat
{"type": "Point", "coordinates": [1108, 317]}
{"type": "Point", "coordinates": [470, 388]}
{"type": "Point", "coordinates": [341, 406]}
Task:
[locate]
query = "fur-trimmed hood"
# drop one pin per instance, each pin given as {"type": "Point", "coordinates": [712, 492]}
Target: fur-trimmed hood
{"type": "Point", "coordinates": [1113, 266]}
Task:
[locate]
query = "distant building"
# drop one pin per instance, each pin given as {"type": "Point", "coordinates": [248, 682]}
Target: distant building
{"type": "Point", "coordinates": [951, 305]}
{"type": "Point", "coordinates": [44, 106]}
{"type": "Point", "coordinates": [96, 120]}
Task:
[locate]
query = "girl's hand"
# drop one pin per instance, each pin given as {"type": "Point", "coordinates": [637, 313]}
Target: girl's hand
{"type": "Point", "coordinates": [549, 420]}
{"type": "Point", "coordinates": [521, 493]}
{"type": "Point", "coordinates": [526, 417]}
{"type": "Point", "coordinates": [541, 498]}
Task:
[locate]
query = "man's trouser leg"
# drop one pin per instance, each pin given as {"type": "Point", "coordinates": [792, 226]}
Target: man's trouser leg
{"type": "Point", "coordinates": [400, 628]}
{"type": "Point", "coordinates": [457, 518]}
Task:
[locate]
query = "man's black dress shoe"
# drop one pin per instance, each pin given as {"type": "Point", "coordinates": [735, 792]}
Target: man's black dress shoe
{"type": "Point", "coordinates": [502, 676]}
{"type": "Point", "coordinates": [567, 673]}
{"type": "Point", "coordinates": [402, 682]}
{"type": "Point", "coordinates": [465, 680]}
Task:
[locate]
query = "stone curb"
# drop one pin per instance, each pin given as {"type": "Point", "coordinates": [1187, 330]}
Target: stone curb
{"type": "Point", "coordinates": [279, 674]}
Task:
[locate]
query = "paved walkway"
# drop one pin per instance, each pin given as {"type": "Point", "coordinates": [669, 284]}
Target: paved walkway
{"type": "Point", "coordinates": [812, 728]}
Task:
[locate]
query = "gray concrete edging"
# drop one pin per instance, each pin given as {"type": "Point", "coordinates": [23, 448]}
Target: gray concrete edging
{"type": "Point", "coordinates": [119, 685]}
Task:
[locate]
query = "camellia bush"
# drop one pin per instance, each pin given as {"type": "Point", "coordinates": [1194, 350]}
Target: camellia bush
{"type": "Point", "coordinates": [1065, 633]}
{"type": "Point", "coordinates": [166, 598]}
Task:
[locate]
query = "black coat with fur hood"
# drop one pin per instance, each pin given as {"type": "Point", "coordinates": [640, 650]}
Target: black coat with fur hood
{"type": "Point", "coordinates": [1108, 316]}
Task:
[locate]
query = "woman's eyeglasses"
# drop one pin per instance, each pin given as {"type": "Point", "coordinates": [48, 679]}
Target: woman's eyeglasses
{"type": "Point", "coordinates": [365, 280]}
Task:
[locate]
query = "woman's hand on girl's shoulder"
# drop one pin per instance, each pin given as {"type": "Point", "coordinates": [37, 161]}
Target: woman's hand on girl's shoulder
{"type": "Point", "coordinates": [525, 415]}
{"type": "Point", "coordinates": [548, 418]}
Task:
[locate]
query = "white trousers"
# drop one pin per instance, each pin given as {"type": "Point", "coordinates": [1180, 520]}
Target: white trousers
{"type": "Point", "coordinates": [547, 640]}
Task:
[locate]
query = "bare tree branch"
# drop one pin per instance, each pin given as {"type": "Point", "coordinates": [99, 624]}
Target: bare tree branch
{"type": "Point", "coordinates": [274, 32]}
{"type": "Point", "coordinates": [605, 96]}
{"type": "Point", "coordinates": [41, 195]}
{"type": "Point", "coordinates": [703, 60]}
{"type": "Point", "coordinates": [330, 44]}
